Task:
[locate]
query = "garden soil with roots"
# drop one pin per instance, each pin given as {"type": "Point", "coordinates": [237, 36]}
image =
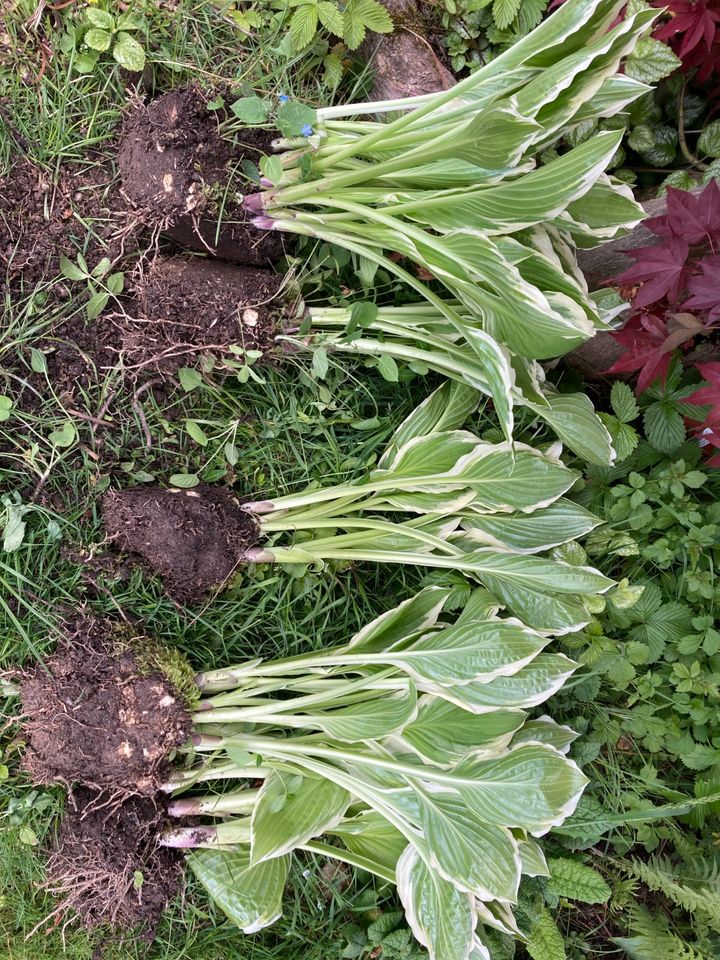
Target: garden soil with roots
{"type": "Point", "coordinates": [101, 718]}
{"type": "Point", "coordinates": [176, 180]}
{"type": "Point", "coordinates": [194, 539]}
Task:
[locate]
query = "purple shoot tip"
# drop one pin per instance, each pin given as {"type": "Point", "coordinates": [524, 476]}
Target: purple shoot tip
{"type": "Point", "coordinates": [258, 555]}
{"type": "Point", "coordinates": [254, 202]}
{"type": "Point", "coordinates": [264, 223]}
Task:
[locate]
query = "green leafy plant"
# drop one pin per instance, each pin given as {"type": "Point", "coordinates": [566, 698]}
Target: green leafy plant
{"type": "Point", "coordinates": [349, 20]}
{"type": "Point", "coordinates": [101, 31]}
{"type": "Point", "coordinates": [419, 336]}
{"type": "Point", "coordinates": [454, 186]}
{"type": "Point", "coordinates": [409, 749]}
{"type": "Point", "coordinates": [484, 509]}
{"type": "Point", "coordinates": [101, 284]}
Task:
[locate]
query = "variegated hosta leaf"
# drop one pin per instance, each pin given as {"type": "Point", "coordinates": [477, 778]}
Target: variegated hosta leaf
{"type": "Point", "coordinates": [529, 687]}
{"type": "Point", "coordinates": [250, 896]}
{"type": "Point", "coordinates": [548, 527]}
{"type": "Point", "coordinates": [291, 809]}
{"type": "Point", "coordinates": [573, 418]}
{"type": "Point", "coordinates": [533, 198]}
{"type": "Point", "coordinates": [446, 409]}
{"type": "Point", "coordinates": [441, 917]}
{"type": "Point", "coordinates": [532, 786]}
{"type": "Point", "coordinates": [477, 857]}
{"type": "Point", "coordinates": [371, 836]}
{"type": "Point", "coordinates": [412, 616]}
{"type": "Point", "coordinates": [533, 859]}
{"type": "Point", "coordinates": [466, 652]}
{"type": "Point", "coordinates": [444, 733]}
{"type": "Point", "coordinates": [502, 478]}
{"type": "Point", "coordinates": [543, 593]}
{"type": "Point", "coordinates": [373, 719]}
{"type": "Point", "coordinates": [545, 730]}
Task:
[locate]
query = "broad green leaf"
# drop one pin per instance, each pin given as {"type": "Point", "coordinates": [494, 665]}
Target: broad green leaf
{"type": "Point", "coordinates": [288, 814]}
{"type": "Point", "coordinates": [64, 436]}
{"type": "Point", "coordinates": [440, 916]}
{"type": "Point", "coordinates": [128, 53]}
{"type": "Point", "coordinates": [370, 835]}
{"type": "Point", "coordinates": [532, 786]}
{"type": "Point", "coordinates": [529, 687]}
{"type": "Point", "coordinates": [709, 140]}
{"type": "Point", "coordinates": [70, 271]}
{"type": "Point", "coordinates": [651, 61]}
{"type": "Point", "coordinates": [476, 857]}
{"type": "Point", "coordinates": [330, 17]}
{"type": "Point", "coordinates": [545, 942]}
{"type": "Point", "coordinates": [99, 18]}
{"type": "Point", "coordinates": [444, 733]}
{"type": "Point", "coordinates": [96, 304]}
{"type": "Point", "coordinates": [531, 532]}
{"type": "Point", "coordinates": [624, 404]}
{"type": "Point", "coordinates": [251, 110]}
{"type": "Point", "coordinates": [250, 896]}
{"type": "Point", "coordinates": [412, 616]}
{"type": "Point", "coordinates": [504, 12]}
{"type": "Point", "coordinates": [572, 879]}
{"type": "Point", "coordinates": [98, 39]}
{"type": "Point", "coordinates": [446, 409]}
{"type": "Point", "coordinates": [466, 652]}
{"type": "Point", "coordinates": [303, 25]}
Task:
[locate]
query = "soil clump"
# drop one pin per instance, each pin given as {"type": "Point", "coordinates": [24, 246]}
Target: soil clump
{"type": "Point", "coordinates": [107, 865]}
{"type": "Point", "coordinates": [97, 714]}
{"type": "Point", "coordinates": [175, 170]}
{"type": "Point", "coordinates": [190, 305]}
{"type": "Point", "coordinates": [193, 539]}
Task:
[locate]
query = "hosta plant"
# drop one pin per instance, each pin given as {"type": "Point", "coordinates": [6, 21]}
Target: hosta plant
{"type": "Point", "coordinates": [407, 753]}
{"type": "Point", "coordinates": [419, 335]}
{"type": "Point", "coordinates": [456, 185]}
{"type": "Point", "coordinates": [487, 510]}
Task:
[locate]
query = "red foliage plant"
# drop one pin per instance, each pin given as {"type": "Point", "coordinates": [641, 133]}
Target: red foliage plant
{"type": "Point", "coordinates": [676, 299]}
{"type": "Point", "coordinates": [693, 33]}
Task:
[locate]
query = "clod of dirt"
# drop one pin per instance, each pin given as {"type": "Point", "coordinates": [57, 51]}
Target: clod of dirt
{"type": "Point", "coordinates": [192, 305]}
{"type": "Point", "coordinates": [193, 539]}
{"type": "Point", "coordinates": [96, 716]}
{"type": "Point", "coordinates": [107, 865]}
{"type": "Point", "coordinates": [176, 168]}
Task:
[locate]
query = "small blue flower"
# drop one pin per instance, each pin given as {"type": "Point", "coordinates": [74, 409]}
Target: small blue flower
{"type": "Point", "coordinates": [307, 130]}
{"type": "Point", "coordinates": [283, 98]}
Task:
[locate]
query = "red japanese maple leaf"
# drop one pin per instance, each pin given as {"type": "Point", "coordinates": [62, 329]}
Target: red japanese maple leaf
{"type": "Point", "coordinates": [691, 23]}
{"type": "Point", "coordinates": [710, 394]}
{"type": "Point", "coordinates": [705, 288]}
{"type": "Point", "coordinates": [660, 269]}
{"type": "Point", "coordinates": [690, 216]}
{"type": "Point", "coordinates": [645, 338]}
{"type": "Point", "coordinates": [708, 431]}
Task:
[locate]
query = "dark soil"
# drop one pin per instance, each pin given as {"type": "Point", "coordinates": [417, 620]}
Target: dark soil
{"type": "Point", "coordinates": [175, 170]}
{"type": "Point", "coordinates": [190, 305]}
{"type": "Point", "coordinates": [94, 716]}
{"type": "Point", "coordinates": [107, 865]}
{"type": "Point", "coordinates": [42, 218]}
{"type": "Point", "coordinates": [193, 538]}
